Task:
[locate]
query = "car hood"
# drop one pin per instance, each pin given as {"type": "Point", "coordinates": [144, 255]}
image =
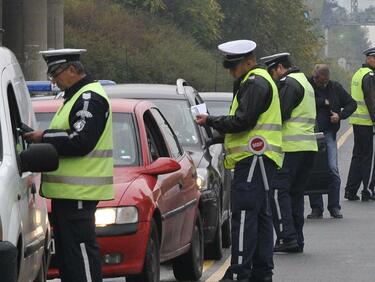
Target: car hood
{"type": "Point", "coordinates": [122, 178]}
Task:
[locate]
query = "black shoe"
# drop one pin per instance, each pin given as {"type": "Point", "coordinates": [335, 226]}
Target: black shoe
{"type": "Point", "coordinates": [336, 213]}
{"type": "Point", "coordinates": [286, 246]}
{"type": "Point", "coordinates": [351, 196]}
{"type": "Point", "coordinates": [315, 214]}
{"type": "Point", "coordinates": [366, 196]}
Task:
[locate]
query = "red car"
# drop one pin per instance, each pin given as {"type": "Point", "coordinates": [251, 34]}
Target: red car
{"type": "Point", "coordinates": [154, 216]}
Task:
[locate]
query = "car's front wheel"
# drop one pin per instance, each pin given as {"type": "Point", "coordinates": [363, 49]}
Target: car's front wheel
{"type": "Point", "coordinates": [151, 267]}
{"type": "Point", "coordinates": [189, 266]}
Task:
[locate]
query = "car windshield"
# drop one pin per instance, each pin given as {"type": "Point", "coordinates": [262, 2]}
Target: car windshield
{"type": "Point", "coordinates": [218, 108]}
{"type": "Point", "coordinates": [178, 114]}
{"type": "Point", "coordinates": [125, 141]}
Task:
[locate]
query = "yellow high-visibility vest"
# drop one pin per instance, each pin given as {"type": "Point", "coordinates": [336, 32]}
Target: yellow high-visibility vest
{"type": "Point", "coordinates": [298, 130]}
{"type": "Point", "coordinates": [268, 126]}
{"type": "Point", "coordinates": [89, 177]}
{"type": "Point", "coordinates": [361, 115]}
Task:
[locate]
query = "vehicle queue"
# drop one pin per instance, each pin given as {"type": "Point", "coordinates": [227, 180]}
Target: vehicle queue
{"type": "Point", "coordinates": [164, 194]}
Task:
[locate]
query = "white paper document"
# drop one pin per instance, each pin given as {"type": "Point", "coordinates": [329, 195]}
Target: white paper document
{"type": "Point", "coordinates": [198, 109]}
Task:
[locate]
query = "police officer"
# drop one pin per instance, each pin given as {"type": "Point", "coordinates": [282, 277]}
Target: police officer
{"type": "Point", "coordinates": [299, 144]}
{"type": "Point", "coordinates": [255, 110]}
{"type": "Point", "coordinates": [81, 132]}
{"type": "Point", "coordinates": [362, 163]}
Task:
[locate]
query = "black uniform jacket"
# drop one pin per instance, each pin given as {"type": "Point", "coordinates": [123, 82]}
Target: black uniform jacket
{"type": "Point", "coordinates": [368, 88]}
{"type": "Point", "coordinates": [339, 100]}
{"type": "Point", "coordinates": [291, 93]}
{"type": "Point", "coordinates": [254, 96]}
{"type": "Point", "coordinates": [87, 121]}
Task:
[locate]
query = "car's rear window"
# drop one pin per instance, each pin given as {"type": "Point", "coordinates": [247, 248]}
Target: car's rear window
{"type": "Point", "coordinates": [218, 108]}
{"type": "Point", "coordinates": [178, 115]}
{"type": "Point", "coordinates": [125, 141]}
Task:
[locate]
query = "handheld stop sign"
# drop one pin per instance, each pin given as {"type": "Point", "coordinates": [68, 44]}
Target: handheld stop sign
{"type": "Point", "coordinates": [257, 145]}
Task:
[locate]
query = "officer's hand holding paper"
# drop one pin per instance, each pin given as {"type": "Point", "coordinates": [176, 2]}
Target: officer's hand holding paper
{"type": "Point", "coordinates": [200, 113]}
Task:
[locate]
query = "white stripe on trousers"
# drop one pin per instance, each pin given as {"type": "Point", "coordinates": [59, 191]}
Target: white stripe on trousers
{"type": "Point", "coordinates": [86, 262]}
{"type": "Point", "coordinates": [372, 165]}
{"type": "Point", "coordinates": [278, 209]}
{"type": "Point", "coordinates": [240, 241]}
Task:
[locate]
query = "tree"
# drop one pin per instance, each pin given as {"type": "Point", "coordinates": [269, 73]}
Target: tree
{"type": "Point", "coordinates": [132, 46]}
{"type": "Point", "coordinates": [201, 18]}
{"type": "Point", "coordinates": [276, 26]}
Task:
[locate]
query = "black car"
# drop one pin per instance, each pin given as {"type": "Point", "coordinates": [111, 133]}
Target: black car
{"type": "Point", "coordinates": [218, 103]}
{"type": "Point", "coordinates": [174, 101]}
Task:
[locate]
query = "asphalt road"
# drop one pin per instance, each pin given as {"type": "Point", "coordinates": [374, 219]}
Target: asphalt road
{"type": "Point", "coordinates": [341, 250]}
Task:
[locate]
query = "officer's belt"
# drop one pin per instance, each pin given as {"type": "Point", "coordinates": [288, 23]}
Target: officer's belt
{"type": "Point", "coordinates": [78, 180]}
{"type": "Point", "coordinates": [299, 137]}
{"type": "Point", "coordinates": [245, 148]}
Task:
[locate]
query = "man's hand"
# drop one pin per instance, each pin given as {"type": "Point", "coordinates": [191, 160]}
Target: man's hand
{"type": "Point", "coordinates": [34, 136]}
{"type": "Point", "coordinates": [335, 118]}
{"type": "Point", "coordinates": [201, 119]}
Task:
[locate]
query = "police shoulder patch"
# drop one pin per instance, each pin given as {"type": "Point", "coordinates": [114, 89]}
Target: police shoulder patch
{"type": "Point", "coordinates": [252, 77]}
{"type": "Point", "coordinates": [86, 96]}
{"type": "Point", "coordinates": [79, 125]}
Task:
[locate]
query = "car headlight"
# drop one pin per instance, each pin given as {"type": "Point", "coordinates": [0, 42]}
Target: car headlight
{"type": "Point", "coordinates": [120, 215]}
{"type": "Point", "coordinates": [202, 178]}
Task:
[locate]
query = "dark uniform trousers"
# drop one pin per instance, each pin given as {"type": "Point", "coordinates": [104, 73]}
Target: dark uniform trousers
{"type": "Point", "coordinates": [77, 251]}
{"type": "Point", "coordinates": [252, 231]}
{"type": "Point", "coordinates": [362, 158]}
{"type": "Point", "coordinates": [287, 191]}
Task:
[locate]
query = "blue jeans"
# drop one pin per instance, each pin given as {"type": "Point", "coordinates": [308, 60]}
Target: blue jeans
{"type": "Point", "coordinates": [316, 201]}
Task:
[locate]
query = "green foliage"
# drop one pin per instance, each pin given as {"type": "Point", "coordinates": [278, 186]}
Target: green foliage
{"type": "Point", "coordinates": [276, 26]}
{"type": "Point", "coordinates": [129, 46]}
{"type": "Point", "coordinates": [201, 18]}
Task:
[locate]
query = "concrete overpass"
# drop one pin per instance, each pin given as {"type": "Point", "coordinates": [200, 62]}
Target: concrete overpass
{"type": "Point", "coordinates": [29, 26]}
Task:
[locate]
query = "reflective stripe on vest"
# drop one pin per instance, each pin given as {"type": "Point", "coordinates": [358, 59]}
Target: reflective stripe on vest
{"type": "Point", "coordinates": [298, 130]}
{"type": "Point", "coordinates": [361, 115]}
{"type": "Point", "coordinates": [89, 177]}
{"type": "Point", "coordinates": [268, 126]}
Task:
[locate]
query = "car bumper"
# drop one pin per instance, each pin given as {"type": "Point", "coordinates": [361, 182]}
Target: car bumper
{"type": "Point", "coordinates": [209, 210]}
{"type": "Point", "coordinates": [8, 261]}
{"type": "Point", "coordinates": [122, 249]}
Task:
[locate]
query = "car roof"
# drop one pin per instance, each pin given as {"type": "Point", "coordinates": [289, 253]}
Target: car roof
{"type": "Point", "coordinates": [144, 91]}
{"type": "Point", "coordinates": [216, 96]}
{"type": "Point", "coordinates": [118, 105]}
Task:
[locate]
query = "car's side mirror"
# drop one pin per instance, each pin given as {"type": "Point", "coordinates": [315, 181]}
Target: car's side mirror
{"type": "Point", "coordinates": [162, 165]}
{"type": "Point", "coordinates": [39, 158]}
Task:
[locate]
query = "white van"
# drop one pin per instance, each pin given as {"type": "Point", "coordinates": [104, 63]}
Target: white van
{"type": "Point", "coordinates": [24, 227]}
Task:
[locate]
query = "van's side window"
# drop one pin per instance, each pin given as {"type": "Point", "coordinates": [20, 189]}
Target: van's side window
{"type": "Point", "coordinates": [15, 118]}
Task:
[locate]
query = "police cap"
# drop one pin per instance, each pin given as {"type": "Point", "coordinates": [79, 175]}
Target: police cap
{"type": "Point", "coordinates": [235, 51]}
{"type": "Point", "coordinates": [369, 51]}
{"type": "Point", "coordinates": [55, 58]}
{"type": "Point", "coordinates": [275, 59]}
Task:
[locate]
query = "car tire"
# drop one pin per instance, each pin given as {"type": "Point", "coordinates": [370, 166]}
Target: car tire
{"type": "Point", "coordinates": [42, 273]}
{"type": "Point", "coordinates": [214, 249]}
{"type": "Point", "coordinates": [226, 230]}
{"type": "Point", "coordinates": [189, 266]}
{"type": "Point", "coordinates": [151, 266]}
